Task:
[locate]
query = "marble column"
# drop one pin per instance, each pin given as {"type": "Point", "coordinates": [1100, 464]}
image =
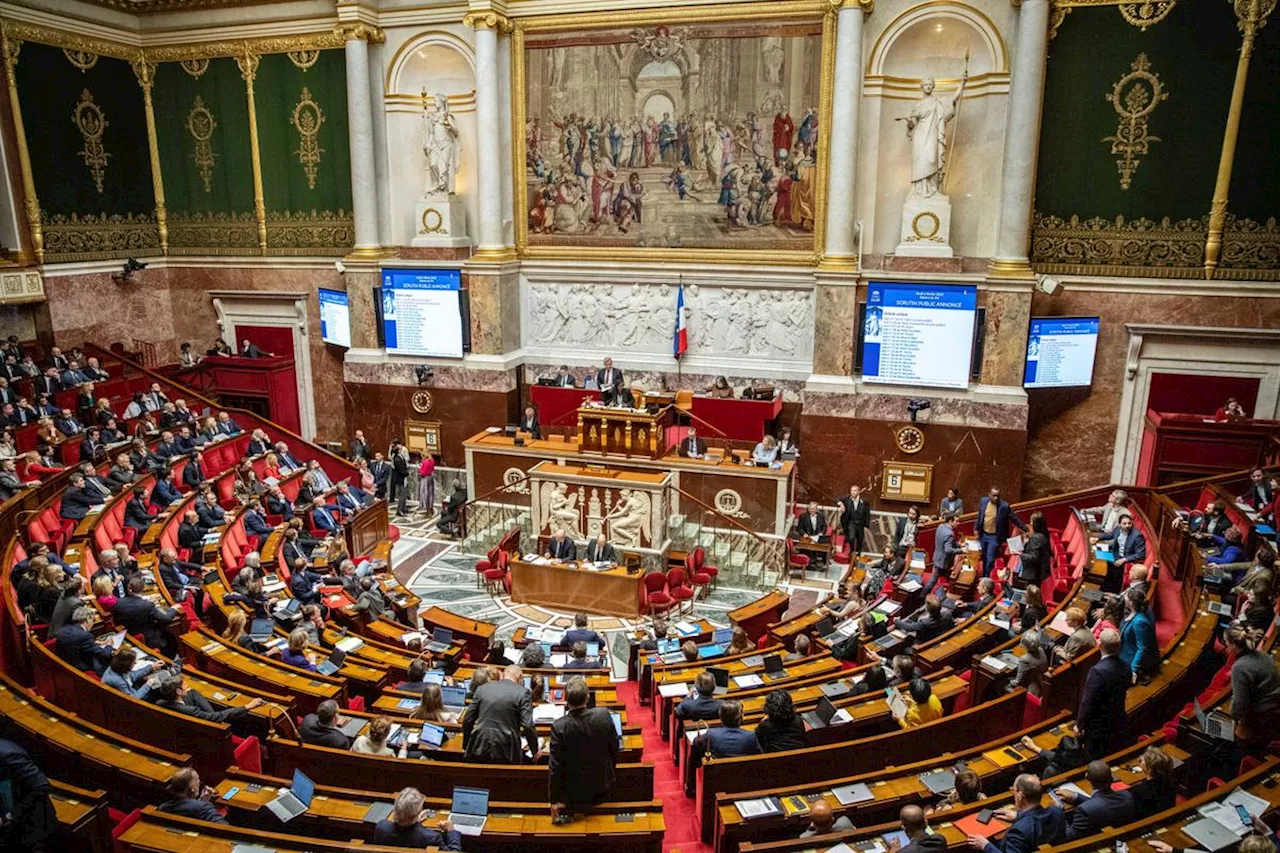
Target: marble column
{"type": "Point", "coordinates": [490, 245]}
{"type": "Point", "coordinates": [1021, 141]}
{"type": "Point", "coordinates": [841, 250]}
{"type": "Point", "coordinates": [364, 192]}
{"type": "Point", "coordinates": [381, 164]}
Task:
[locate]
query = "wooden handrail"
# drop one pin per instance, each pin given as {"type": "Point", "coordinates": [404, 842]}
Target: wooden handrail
{"type": "Point", "coordinates": [718, 513]}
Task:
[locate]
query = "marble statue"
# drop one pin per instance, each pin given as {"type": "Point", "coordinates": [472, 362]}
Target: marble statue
{"type": "Point", "coordinates": [927, 131]}
{"type": "Point", "coordinates": [629, 519]}
{"type": "Point", "coordinates": [562, 510]}
{"type": "Point", "coordinates": [440, 144]}
{"type": "Point", "coordinates": [773, 53]}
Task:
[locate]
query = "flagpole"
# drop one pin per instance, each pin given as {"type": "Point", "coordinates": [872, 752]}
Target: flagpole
{"type": "Point", "coordinates": [679, 322]}
{"type": "Point", "coordinates": [955, 127]}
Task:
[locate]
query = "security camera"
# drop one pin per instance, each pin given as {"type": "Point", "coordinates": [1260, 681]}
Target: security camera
{"type": "Point", "coordinates": [340, 267]}
{"type": "Point", "coordinates": [1047, 284]}
{"type": "Point", "coordinates": [131, 266]}
{"type": "Point", "coordinates": [425, 373]}
{"type": "Point", "coordinates": [916, 405]}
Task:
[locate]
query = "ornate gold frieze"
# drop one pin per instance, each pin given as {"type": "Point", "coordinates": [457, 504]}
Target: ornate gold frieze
{"type": "Point", "coordinates": [1134, 96]}
{"type": "Point", "coordinates": [94, 237]}
{"type": "Point", "coordinates": [195, 67]}
{"type": "Point", "coordinates": [359, 30]}
{"type": "Point", "coordinates": [1247, 244]}
{"type": "Point", "coordinates": [304, 59]}
{"type": "Point", "coordinates": [82, 59]}
{"type": "Point", "coordinates": [91, 123]}
{"type": "Point", "coordinates": [307, 118]}
{"type": "Point", "coordinates": [1146, 13]}
{"type": "Point", "coordinates": [310, 232]}
{"type": "Point", "coordinates": [326, 40]}
{"type": "Point", "coordinates": [1099, 246]}
{"type": "Point", "coordinates": [201, 125]}
{"type": "Point", "coordinates": [216, 233]}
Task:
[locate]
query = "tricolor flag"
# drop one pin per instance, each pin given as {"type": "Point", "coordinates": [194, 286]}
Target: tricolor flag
{"type": "Point", "coordinates": [680, 342]}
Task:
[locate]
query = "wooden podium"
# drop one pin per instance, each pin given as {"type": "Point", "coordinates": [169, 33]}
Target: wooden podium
{"type": "Point", "coordinates": [623, 432]}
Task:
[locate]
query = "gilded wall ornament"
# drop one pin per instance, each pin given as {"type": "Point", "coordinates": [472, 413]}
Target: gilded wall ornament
{"type": "Point", "coordinates": [195, 67]}
{"type": "Point", "coordinates": [82, 59]}
{"type": "Point", "coordinates": [1146, 13]}
{"type": "Point", "coordinates": [1134, 97]}
{"type": "Point", "coordinates": [91, 123]}
{"type": "Point", "coordinates": [304, 59]}
{"type": "Point", "coordinates": [1100, 246]}
{"type": "Point", "coordinates": [307, 118]}
{"type": "Point", "coordinates": [201, 124]}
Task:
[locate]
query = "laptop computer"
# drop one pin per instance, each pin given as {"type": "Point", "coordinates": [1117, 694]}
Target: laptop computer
{"type": "Point", "coordinates": [441, 640]}
{"type": "Point", "coordinates": [470, 810]}
{"type": "Point", "coordinates": [773, 668]}
{"type": "Point", "coordinates": [260, 630]}
{"type": "Point", "coordinates": [295, 799]}
{"type": "Point", "coordinates": [668, 646]}
{"type": "Point", "coordinates": [353, 726]}
{"type": "Point", "coordinates": [593, 650]}
{"type": "Point", "coordinates": [454, 698]}
{"type": "Point", "coordinates": [1219, 608]}
{"type": "Point", "coordinates": [820, 717]}
{"type": "Point", "coordinates": [1214, 724]}
{"type": "Point", "coordinates": [617, 723]}
{"type": "Point", "coordinates": [431, 737]}
{"type": "Point", "coordinates": [824, 627]}
{"type": "Point", "coordinates": [722, 635]}
{"type": "Point", "coordinates": [333, 664]}
{"type": "Point", "coordinates": [721, 676]}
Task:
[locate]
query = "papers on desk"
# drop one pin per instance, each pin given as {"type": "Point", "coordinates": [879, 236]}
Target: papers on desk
{"type": "Point", "coordinates": [1101, 552]}
{"type": "Point", "coordinates": [911, 584]}
{"type": "Point", "coordinates": [747, 680]}
{"type": "Point", "coordinates": [686, 629]}
{"type": "Point", "coordinates": [998, 622]}
{"type": "Point", "coordinates": [887, 607]}
{"type": "Point", "coordinates": [244, 847]}
{"type": "Point", "coordinates": [410, 637]}
{"type": "Point", "coordinates": [559, 659]}
{"type": "Point", "coordinates": [349, 644]}
{"type": "Point", "coordinates": [994, 662]}
{"type": "Point", "coordinates": [1255, 806]}
{"type": "Point", "coordinates": [897, 705]}
{"type": "Point", "coordinates": [117, 638]}
{"type": "Point", "coordinates": [973, 546]}
{"type": "Point", "coordinates": [273, 587]}
{"type": "Point", "coordinates": [1059, 623]}
{"type": "Point", "coordinates": [547, 713]}
{"type": "Point", "coordinates": [670, 691]}
{"type": "Point", "coordinates": [408, 704]}
{"type": "Point", "coordinates": [761, 807]}
{"type": "Point", "coordinates": [1073, 788]}
{"type": "Point", "coordinates": [847, 795]}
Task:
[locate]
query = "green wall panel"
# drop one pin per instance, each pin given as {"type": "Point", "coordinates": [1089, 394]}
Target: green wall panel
{"type": "Point", "coordinates": [1255, 178]}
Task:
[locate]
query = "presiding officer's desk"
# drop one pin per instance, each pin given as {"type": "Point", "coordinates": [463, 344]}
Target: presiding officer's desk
{"type": "Point", "coordinates": [578, 586]}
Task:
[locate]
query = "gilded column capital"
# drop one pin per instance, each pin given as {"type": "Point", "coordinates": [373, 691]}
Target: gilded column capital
{"type": "Point", "coordinates": [867, 6]}
{"type": "Point", "coordinates": [360, 31]}
{"type": "Point", "coordinates": [488, 20]}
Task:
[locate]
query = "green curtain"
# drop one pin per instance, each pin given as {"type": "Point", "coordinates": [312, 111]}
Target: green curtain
{"type": "Point", "coordinates": [301, 102]}
{"type": "Point", "coordinates": [87, 134]}
{"type": "Point", "coordinates": [202, 120]}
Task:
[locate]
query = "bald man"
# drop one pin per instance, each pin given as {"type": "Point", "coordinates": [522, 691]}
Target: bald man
{"type": "Point", "coordinates": [917, 830]}
{"type": "Point", "coordinates": [561, 547]}
{"type": "Point", "coordinates": [822, 821]}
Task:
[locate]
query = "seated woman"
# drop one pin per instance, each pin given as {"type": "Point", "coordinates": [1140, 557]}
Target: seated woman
{"type": "Point", "coordinates": [1032, 664]}
{"type": "Point", "coordinates": [237, 634]}
{"type": "Point", "coordinates": [766, 452]}
{"type": "Point", "coordinates": [271, 467]}
{"type": "Point", "coordinates": [923, 708]}
{"type": "Point", "coordinates": [296, 654]}
{"type": "Point", "coordinates": [431, 709]}
{"type": "Point", "coordinates": [740, 643]}
{"type": "Point", "coordinates": [721, 390]}
{"type": "Point", "coordinates": [104, 591]}
{"type": "Point", "coordinates": [374, 740]}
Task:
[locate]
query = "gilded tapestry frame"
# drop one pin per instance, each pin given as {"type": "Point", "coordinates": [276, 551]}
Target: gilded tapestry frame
{"type": "Point", "coordinates": [821, 11]}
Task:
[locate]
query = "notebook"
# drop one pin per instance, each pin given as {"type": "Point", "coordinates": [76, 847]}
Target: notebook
{"type": "Point", "coordinates": [858, 792]}
{"type": "Point", "coordinates": [295, 799]}
{"type": "Point", "coordinates": [441, 639]}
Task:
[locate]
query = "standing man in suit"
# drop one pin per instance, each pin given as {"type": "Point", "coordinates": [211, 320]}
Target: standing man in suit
{"type": "Point", "coordinates": [813, 524]}
{"type": "Point", "coordinates": [399, 477]}
{"type": "Point", "coordinates": [381, 471]}
{"type": "Point", "coordinates": [608, 376]}
{"type": "Point", "coordinates": [945, 547]}
{"type": "Point", "coordinates": [691, 446]}
{"type": "Point", "coordinates": [600, 551]}
{"type": "Point", "coordinates": [584, 752]}
{"type": "Point", "coordinates": [995, 519]}
{"type": "Point", "coordinates": [855, 517]}
{"type": "Point", "coordinates": [561, 547]}
{"type": "Point", "coordinates": [1031, 824]}
{"type": "Point", "coordinates": [499, 715]}
{"type": "Point", "coordinates": [359, 447]}
{"type": "Point", "coordinates": [1104, 807]}
{"type": "Point", "coordinates": [248, 349]}
{"type": "Point", "coordinates": [1100, 719]}
{"type": "Point", "coordinates": [580, 633]}
{"type": "Point", "coordinates": [529, 422]}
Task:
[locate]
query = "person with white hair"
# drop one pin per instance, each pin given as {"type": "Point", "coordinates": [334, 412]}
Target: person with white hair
{"type": "Point", "coordinates": [404, 828]}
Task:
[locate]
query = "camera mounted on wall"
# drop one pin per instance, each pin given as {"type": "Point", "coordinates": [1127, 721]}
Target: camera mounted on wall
{"type": "Point", "coordinates": [916, 405]}
{"type": "Point", "coordinates": [425, 373]}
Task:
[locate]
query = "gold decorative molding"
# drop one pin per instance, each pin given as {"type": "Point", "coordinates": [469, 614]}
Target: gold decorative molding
{"type": "Point", "coordinates": [203, 233]}
{"type": "Point", "coordinates": [146, 73]}
{"type": "Point", "coordinates": [90, 237]}
{"type": "Point", "coordinates": [1141, 14]}
{"type": "Point", "coordinates": [359, 31]}
{"type": "Point", "coordinates": [248, 64]}
{"type": "Point", "coordinates": [1099, 246]}
{"type": "Point", "coordinates": [303, 59]}
{"type": "Point", "coordinates": [68, 40]}
{"type": "Point", "coordinates": [1134, 96]}
{"type": "Point", "coordinates": [82, 59]}
{"type": "Point", "coordinates": [311, 232]}
{"type": "Point", "coordinates": [11, 47]}
{"type": "Point", "coordinates": [488, 20]}
{"type": "Point", "coordinates": [201, 124]}
{"type": "Point", "coordinates": [324, 40]}
{"type": "Point", "coordinates": [195, 68]}
{"type": "Point", "coordinates": [306, 119]}
{"type": "Point", "coordinates": [92, 124]}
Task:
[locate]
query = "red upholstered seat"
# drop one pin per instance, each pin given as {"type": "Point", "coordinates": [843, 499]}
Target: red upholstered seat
{"type": "Point", "coordinates": [485, 565]}
{"type": "Point", "coordinates": [796, 562]}
{"type": "Point", "coordinates": [655, 593]}
{"type": "Point", "coordinates": [393, 533]}
{"type": "Point", "coordinates": [700, 581]}
{"type": "Point", "coordinates": [121, 828]}
{"type": "Point", "coordinates": [700, 564]}
{"type": "Point", "coordinates": [676, 587]}
{"type": "Point", "coordinates": [355, 703]}
{"type": "Point", "coordinates": [248, 752]}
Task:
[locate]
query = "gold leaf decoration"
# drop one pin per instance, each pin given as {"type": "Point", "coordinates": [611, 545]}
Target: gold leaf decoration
{"type": "Point", "coordinates": [1134, 97]}
{"type": "Point", "coordinates": [91, 123]}
{"type": "Point", "coordinates": [307, 118]}
{"type": "Point", "coordinates": [1101, 246]}
{"type": "Point", "coordinates": [82, 59]}
{"type": "Point", "coordinates": [1146, 13]}
{"type": "Point", "coordinates": [87, 237]}
{"type": "Point", "coordinates": [195, 67]}
{"type": "Point", "coordinates": [304, 59]}
{"type": "Point", "coordinates": [201, 124]}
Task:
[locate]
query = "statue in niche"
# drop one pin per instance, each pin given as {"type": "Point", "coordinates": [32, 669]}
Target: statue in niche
{"type": "Point", "coordinates": [927, 131]}
{"type": "Point", "coordinates": [440, 144]}
{"type": "Point", "coordinates": [629, 519]}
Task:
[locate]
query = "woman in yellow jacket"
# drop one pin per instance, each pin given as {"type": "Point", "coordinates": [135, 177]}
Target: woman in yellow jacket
{"type": "Point", "coordinates": [924, 707]}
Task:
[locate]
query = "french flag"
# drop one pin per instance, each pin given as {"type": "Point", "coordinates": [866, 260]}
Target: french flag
{"type": "Point", "coordinates": [680, 342]}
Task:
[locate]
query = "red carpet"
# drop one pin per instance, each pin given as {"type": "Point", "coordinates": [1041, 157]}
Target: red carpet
{"type": "Point", "coordinates": [678, 812]}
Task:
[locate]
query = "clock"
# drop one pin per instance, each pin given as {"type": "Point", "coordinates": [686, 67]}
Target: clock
{"type": "Point", "coordinates": [910, 439]}
{"type": "Point", "coordinates": [421, 402]}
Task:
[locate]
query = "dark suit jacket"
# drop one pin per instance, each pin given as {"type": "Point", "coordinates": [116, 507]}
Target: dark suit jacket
{"type": "Point", "coordinates": [279, 506]}
{"type": "Point", "coordinates": [1005, 517]}
{"type": "Point", "coordinates": [584, 750]}
{"type": "Point", "coordinates": [1101, 716]}
{"type": "Point", "coordinates": [690, 446]}
{"type": "Point", "coordinates": [1135, 545]}
{"type": "Point", "coordinates": [1104, 808]}
{"type": "Point", "coordinates": [193, 474]}
{"type": "Point", "coordinates": [136, 515]}
{"type": "Point", "coordinates": [210, 515]}
{"type": "Point", "coordinates": [851, 517]}
{"type": "Point", "coordinates": [312, 732]}
{"type": "Point", "coordinates": [812, 524]}
{"type": "Point", "coordinates": [530, 425]}
{"type": "Point", "coordinates": [257, 447]}
{"type": "Point", "coordinates": [165, 493]}
{"type": "Point", "coordinates": [698, 708]}
{"type": "Point", "coordinates": [322, 519]}
{"type": "Point", "coordinates": [601, 555]}
{"type": "Point", "coordinates": [76, 503]}
{"type": "Point", "coordinates": [255, 524]}
{"type": "Point", "coordinates": [34, 819]}
{"type": "Point", "coordinates": [137, 615]}
{"type": "Point", "coordinates": [944, 546]}
{"type": "Point", "coordinates": [565, 549]}
{"type": "Point", "coordinates": [1031, 828]}
{"type": "Point", "coordinates": [1033, 565]}
{"type": "Point", "coordinates": [499, 714]}
{"type": "Point", "coordinates": [604, 381]}
{"type": "Point", "coordinates": [190, 536]}
{"type": "Point", "coordinates": [192, 807]}
{"type": "Point", "coordinates": [77, 647]}
{"type": "Point", "coordinates": [416, 836]}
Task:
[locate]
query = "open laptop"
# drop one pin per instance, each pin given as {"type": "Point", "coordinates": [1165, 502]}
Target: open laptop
{"type": "Point", "coordinates": [820, 717]}
{"type": "Point", "coordinates": [454, 698]}
{"type": "Point", "coordinates": [617, 723]}
{"type": "Point", "coordinates": [1214, 724]}
{"type": "Point", "coordinates": [1219, 608]}
{"type": "Point", "coordinates": [295, 799]}
{"type": "Point", "coordinates": [773, 668]}
{"type": "Point", "coordinates": [824, 627]}
{"type": "Point", "coordinates": [470, 810]}
{"type": "Point", "coordinates": [668, 646]}
{"type": "Point", "coordinates": [260, 630]}
{"type": "Point", "coordinates": [721, 676]}
{"type": "Point", "coordinates": [593, 650]}
{"type": "Point", "coordinates": [722, 636]}
{"type": "Point", "coordinates": [431, 737]}
{"type": "Point", "coordinates": [333, 664]}
{"type": "Point", "coordinates": [441, 640]}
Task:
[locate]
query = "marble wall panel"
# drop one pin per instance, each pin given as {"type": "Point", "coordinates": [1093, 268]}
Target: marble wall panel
{"type": "Point", "coordinates": [93, 307]}
{"type": "Point", "coordinates": [835, 319]}
{"type": "Point", "coordinates": [495, 312]}
{"type": "Point", "coordinates": [1005, 343]}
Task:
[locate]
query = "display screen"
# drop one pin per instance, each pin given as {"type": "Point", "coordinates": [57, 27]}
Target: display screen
{"type": "Point", "coordinates": [422, 312]}
{"type": "Point", "coordinates": [1060, 352]}
{"type": "Point", "coordinates": [918, 334]}
{"type": "Point", "coordinates": [335, 317]}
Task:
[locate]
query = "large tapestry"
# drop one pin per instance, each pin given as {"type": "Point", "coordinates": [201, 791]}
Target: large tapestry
{"type": "Point", "coordinates": [680, 136]}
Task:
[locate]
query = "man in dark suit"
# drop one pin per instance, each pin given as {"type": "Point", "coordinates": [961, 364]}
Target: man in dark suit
{"type": "Point", "coordinates": [76, 645]}
{"type": "Point", "coordinates": [1129, 548]}
{"type": "Point", "coordinates": [529, 422]}
{"type": "Point", "coordinates": [701, 703]}
{"type": "Point", "coordinates": [499, 715]}
{"type": "Point", "coordinates": [916, 828]}
{"type": "Point", "coordinates": [33, 819]}
{"type": "Point", "coordinates": [381, 471]}
{"type": "Point", "coordinates": [287, 460]}
{"type": "Point", "coordinates": [137, 615]}
{"type": "Point", "coordinates": [185, 800]}
{"type": "Point", "coordinates": [10, 484]}
{"type": "Point", "coordinates": [359, 448]}
{"type": "Point", "coordinates": [599, 550]}
{"type": "Point", "coordinates": [561, 547]}
{"type": "Point", "coordinates": [49, 383]}
{"type": "Point", "coordinates": [55, 360]}
{"type": "Point", "coordinates": [994, 522]}
{"type": "Point", "coordinates": [136, 514]}
{"type": "Point", "coordinates": [608, 376]}
{"type": "Point", "coordinates": [945, 547]}
{"type": "Point", "coordinates": [1104, 807]}
{"type": "Point", "coordinates": [248, 349]}
{"type": "Point", "coordinates": [985, 595]}
{"type": "Point", "coordinates": [400, 477]}
{"type": "Point", "coordinates": [349, 499]}
{"type": "Point", "coordinates": [165, 492]}
{"type": "Point", "coordinates": [1031, 824]}
{"type": "Point", "coordinates": [691, 446]}
{"type": "Point", "coordinates": [67, 424]}
{"type": "Point", "coordinates": [1101, 716]}
{"type": "Point", "coordinates": [191, 532]}
{"type": "Point", "coordinates": [564, 379]}
{"type": "Point", "coordinates": [855, 517]}
{"type": "Point", "coordinates": [94, 484]}
{"type": "Point", "coordinates": [166, 447]}
{"type": "Point", "coordinates": [207, 510]}
{"type": "Point", "coordinates": [7, 396]}
{"type": "Point", "coordinates": [255, 521]}
{"type": "Point", "coordinates": [193, 473]}
{"type": "Point", "coordinates": [322, 727]}
{"type": "Point", "coordinates": [580, 633]}
{"type": "Point", "coordinates": [584, 752]}
{"type": "Point", "coordinates": [1259, 494]}
{"type": "Point", "coordinates": [77, 500]}
{"type": "Point", "coordinates": [258, 443]}
{"type": "Point", "coordinates": [182, 579]}
{"type": "Point", "coordinates": [322, 517]}
{"type": "Point", "coordinates": [813, 524]}
{"type": "Point", "coordinates": [278, 504]}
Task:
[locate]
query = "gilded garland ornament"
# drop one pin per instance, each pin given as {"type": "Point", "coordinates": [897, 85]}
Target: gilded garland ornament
{"type": "Point", "coordinates": [91, 123]}
{"type": "Point", "coordinates": [82, 59]}
{"type": "Point", "coordinates": [1146, 13]}
{"type": "Point", "coordinates": [1134, 97]}
{"type": "Point", "coordinates": [201, 124]}
{"type": "Point", "coordinates": [195, 67]}
{"type": "Point", "coordinates": [307, 118]}
{"type": "Point", "coordinates": [304, 59]}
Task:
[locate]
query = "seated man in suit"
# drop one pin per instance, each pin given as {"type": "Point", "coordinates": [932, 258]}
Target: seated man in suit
{"type": "Point", "coordinates": [136, 514]}
{"type": "Point", "coordinates": [812, 525]}
{"type": "Point", "coordinates": [727, 741]}
{"type": "Point", "coordinates": [618, 395]}
{"type": "Point", "coordinates": [561, 547]}
{"type": "Point", "coordinates": [193, 474]}
{"type": "Point", "coordinates": [258, 443]}
{"type": "Point", "coordinates": [67, 423]}
{"type": "Point", "coordinates": [349, 499]}
{"type": "Point", "coordinates": [10, 485]}
{"type": "Point", "coordinates": [916, 828]}
{"type": "Point", "coordinates": [927, 622]}
{"type": "Point", "coordinates": [211, 515]}
{"type": "Point", "coordinates": [691, 446]}
{"type": "Point", "coordinates": [173, 694]}
{"type": "Point", "coordinates": [580, 633]}
{"type": "Point", "coordinates": [278, 504]}
{"type": "Point", "coordinates": [322, 517]}
{"type": "Point", "coordinates": [701, 703]}
{"type": "Point", "coordinates": [564, 379]}
{"type": "Point", "coordinates": [1104, 807]}
{"type": "Point", "coordinates": [1031, 824]}
{"type": "Point", "coordinates": [304, 584]}
{"type": "Point", "coordinates": [600, 551]}
{"type": "Point", "coordinates": [77, 500]}
{"type": "Point", "coordinates": [227, 425]}
{"type": "Point", "coordinates": [122, 473]}
{"type": "Point", "coordinates": [138, 615]}
{"type": "Point", "coordinates": [323, 727]}
{"type": "Point", "coordinates": [75, 643]}
{"type": "Point", "coordinates": [579, 660]}
{"type": "Point", "coordinates": [822, 821]}
{"type": "Point", "coordinates": [182, 579]}
{"type": "Point", "coordinates": [1129, 547]}
{"type": "Point", "coordinates": [166, 491]}
{"type": "Point", "coordinates": [529, 422]}
{"type": "Point", "coordinates": [191, 532]}
{"type": "Point", "coordinates": [188, 799]}
{"type": "Point", "coordinates": [255, 520]}
{"type": "Point", "coordinates": [404, 826]}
